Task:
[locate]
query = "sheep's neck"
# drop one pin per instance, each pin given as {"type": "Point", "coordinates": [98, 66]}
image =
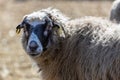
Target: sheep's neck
{"type": "Point", "coordinates": [47, 63]}
{"type": "Point", "coordinates": [55, 65]}
{"type": "Point", "coordinates": [50, 55]}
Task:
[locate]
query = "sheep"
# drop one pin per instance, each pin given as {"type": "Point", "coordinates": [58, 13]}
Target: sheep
{"type": "Point", "coordinates": [115, 11]}
{"type": "Point", "coordinates": [80, 49]}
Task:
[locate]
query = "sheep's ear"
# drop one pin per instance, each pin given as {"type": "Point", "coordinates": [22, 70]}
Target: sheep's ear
{"type": "Point", "coordinates": [59, 29]}
{"type": "Point", "coordinates": [18, 28]}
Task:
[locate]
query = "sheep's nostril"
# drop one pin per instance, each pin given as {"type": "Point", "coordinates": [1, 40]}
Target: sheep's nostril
{"type": "Point", "coordinates": [33, 46]}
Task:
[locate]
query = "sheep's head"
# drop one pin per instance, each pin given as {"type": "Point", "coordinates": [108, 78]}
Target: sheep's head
{"type": "Point", "coordinates": [39, 35]}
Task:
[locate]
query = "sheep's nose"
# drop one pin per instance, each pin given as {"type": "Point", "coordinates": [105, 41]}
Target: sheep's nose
{"type": "Point", "coordinates": [33, 46]}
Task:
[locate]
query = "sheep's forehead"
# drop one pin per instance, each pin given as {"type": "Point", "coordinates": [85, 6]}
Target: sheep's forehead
{"type": "Point", "coordinates": [34, 23]}
{"type": "Point", "coordinates": [38, 14]}
{"type": "Point", "coordinates": [35, 18]}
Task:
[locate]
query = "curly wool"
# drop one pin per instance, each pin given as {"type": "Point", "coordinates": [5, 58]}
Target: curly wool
{"type": "Point", "coordinates": [39, 15]}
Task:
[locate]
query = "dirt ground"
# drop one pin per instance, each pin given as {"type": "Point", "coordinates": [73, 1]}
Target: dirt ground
{"type": "Point", "coordinates": [15, 64]}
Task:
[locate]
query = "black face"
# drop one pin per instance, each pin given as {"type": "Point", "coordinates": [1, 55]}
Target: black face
{"type": "Point", "coordinates": [39, 31]}
{"type": "Point", "coordinates": [36, 40]}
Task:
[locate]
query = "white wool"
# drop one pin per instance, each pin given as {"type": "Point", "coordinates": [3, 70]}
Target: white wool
{"type": "Point", "coordinates": [38, 16]}
{"type": "Point", "coordinates": [112, 31]}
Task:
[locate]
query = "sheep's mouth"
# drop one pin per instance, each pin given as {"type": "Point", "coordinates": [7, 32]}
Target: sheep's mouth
{"type": "Point", "coordinates": [34, 55]}
{"type": "Point", "coordinates": [37, 54]}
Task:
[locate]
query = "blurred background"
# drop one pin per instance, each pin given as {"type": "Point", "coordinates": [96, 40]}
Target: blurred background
{"type": "Point", "coordinates": [15, 64]}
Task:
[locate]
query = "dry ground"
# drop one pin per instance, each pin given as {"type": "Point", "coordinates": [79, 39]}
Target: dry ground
{"type": "Point", "coordinates": [14, 63]}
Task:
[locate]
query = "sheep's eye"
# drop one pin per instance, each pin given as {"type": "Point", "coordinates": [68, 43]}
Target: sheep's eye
{"type": "Point", "coordinates": [27, 27]}
{"type": "Point", "coordinates": [27, 30]}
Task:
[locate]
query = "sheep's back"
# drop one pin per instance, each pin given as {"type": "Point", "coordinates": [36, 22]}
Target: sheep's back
{"type": "Point", "coordinates": [94, 47]}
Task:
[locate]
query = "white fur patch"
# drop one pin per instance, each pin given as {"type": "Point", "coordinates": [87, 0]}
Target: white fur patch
{"type": "Point", "coordinates": [33, 37]}
{"type": "Point", "coordinates": [39, 16]}
{"type": "Point", "coordinates": [34, 23]}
